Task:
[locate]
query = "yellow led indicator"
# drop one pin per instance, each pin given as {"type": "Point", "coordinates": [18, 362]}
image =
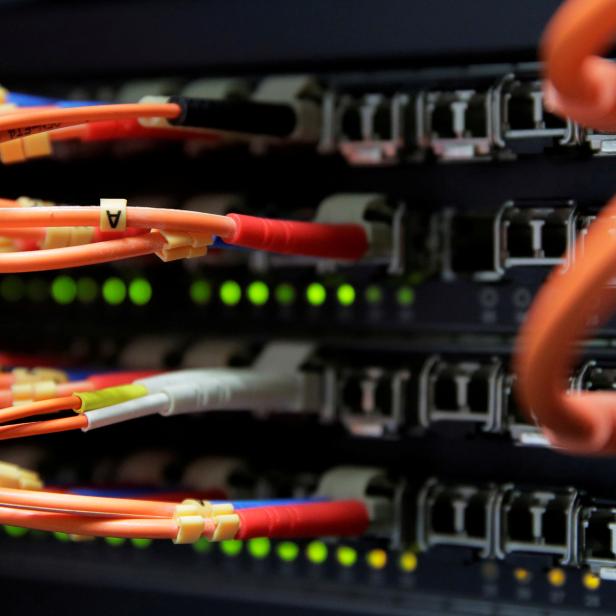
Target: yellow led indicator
{"type": "Point", "coordinates": [521, 575]}
{"type": "Point", "coordinates": [591, 581]}
{"type": "Point", "coordinates": [346, 556]}
{"type": "Point", "coordinates": [377, 559]}
{"type": "Point", "coordinates": [408, 562]}
{"type": "Point", "coordinates": [557, 577]}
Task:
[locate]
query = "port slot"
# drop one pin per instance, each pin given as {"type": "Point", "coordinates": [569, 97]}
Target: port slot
{"type": "Point", "coordinates": [371, 129]}
{"type": "Point", "coordinates": [457, 124]}
{"type": "Point", "coordinates": [539, 522]}
{"type": "Point", "coordinates": [465, 391]}
{"type": "Point", "coordinates": [524, 115]}
{"type": "Point", "coordinates": [455, 515]}
{"type": "Point", "coordinates": [598, 536]}
{"type": "Point", "coordinates": [371, 400]}
{"type": "Point", "coordinates": [536, 236]}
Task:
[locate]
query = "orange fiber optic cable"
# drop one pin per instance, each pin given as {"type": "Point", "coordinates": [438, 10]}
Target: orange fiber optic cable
{"type": "Point", "coordinates": [582, 86]}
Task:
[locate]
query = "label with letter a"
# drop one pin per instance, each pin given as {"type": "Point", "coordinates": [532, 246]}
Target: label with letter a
{"type": "Point", "coordinates": [113, 215]}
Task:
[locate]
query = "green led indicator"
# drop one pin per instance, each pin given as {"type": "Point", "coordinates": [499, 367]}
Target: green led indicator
{"type": "Point", "coordinates": [200, 292]}
{"type": "Point", "coordinates": [15, 531]}
{"type": "Point", "coordinates": [231, 547]}
{"type": "Point", "coordinates": [230, 293]}
{"type": "Point", "coordinates": [259, 547]}
{"type": "Point", "coordinates": [285, 294]}
{"type": "Point", "coordinates": [140, 291]}
{"type": "Point", "coordinates": [316, 552]}
{"type": "Point", "coordinates": [347, 556]}
{"type": "Point", "coordinates": [87, 290]}
{"type": "Point", "coordinates": [37, 290]}
{"type": "Point", "coordinates": [115, 541]}
{"type": "Point", "coordinates": [405, 296]}
{"type": "Point", "coordinates": [374, 294]}
{"type": "Point", "coordinates": [416, 278]}
{"type": "Point", "coordinates": [61, 536]}
{"type": "Point", "coordinates": [202, 545]}
{"type": "Point", "coordinates": [63, 290]}
{"type": "Point", "coordinates": [316, 294]}
{"type": "Point", "coordinates": [141, 543]}
{"type": "Point", "coordinates": [258, 293]}
{"type": "Point", "coordinates": [114, 291]}
{"type": "Point", "coordinates": [12, 288]}
{"type": "Point", "coordinates": [287, 551]}
{"type": "Point", "coordinates": [345, 294]}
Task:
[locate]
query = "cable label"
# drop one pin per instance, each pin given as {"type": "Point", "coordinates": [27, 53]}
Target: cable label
{"type": "Point", "coordinates": [113, 215]}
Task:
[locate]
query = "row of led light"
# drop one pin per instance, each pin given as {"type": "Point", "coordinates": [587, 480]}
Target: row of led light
{"type": "Point", "coordinates": [316, 552]}
{"type": "Point", "coordinates": [114, 291]}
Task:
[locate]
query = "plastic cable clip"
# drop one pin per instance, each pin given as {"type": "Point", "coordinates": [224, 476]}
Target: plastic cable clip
{"type": "Point", "coordinates": [61, 237]}
{"type": "Point", "coordinates": [24, 148]}
{"type": "Point", "coordinates": [13, 476]}
{"type": "Point", "coordinates": [112, 215]}
{"type": "Point", "coordinates": [30, 202]}
{"type": "Point", "coordinates": [227, 527]}
{"type": "Point", "coordinates": [184, 245]}
{"type": "Point", "coordinates": [24, 393]}
{"type": "Point", "coordinates": [36, 375]}
{"type": "Point", "coordinates": [190, 516]}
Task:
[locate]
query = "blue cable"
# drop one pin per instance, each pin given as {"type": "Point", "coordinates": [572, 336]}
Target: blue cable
{"type": "Point", "coordinates": [21, 99]}
{"type": "Point", "coordinates": [241, 504]}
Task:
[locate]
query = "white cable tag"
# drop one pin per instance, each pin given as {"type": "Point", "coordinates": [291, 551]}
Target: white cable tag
{"type": "Point", "coordinates": [113, 215]}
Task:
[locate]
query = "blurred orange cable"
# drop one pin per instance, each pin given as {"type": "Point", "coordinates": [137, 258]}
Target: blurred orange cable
{"type": "Point", "coordinates": [580, 84]}
{"type": "Point", "coordinates": [36, 428]}
{"type": "Point", "coordinates": [122, 507]}
{"type": "Point", "coordinates": [75, 256]}
{"type": "Point", "coordinates": [583, 87]}
{"type": "Point", "coordinates": [28, 122]}
{"type": "Point", "coordinates": [163, 528]}
{"type": "Point", "coordinates": [39, 408]}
